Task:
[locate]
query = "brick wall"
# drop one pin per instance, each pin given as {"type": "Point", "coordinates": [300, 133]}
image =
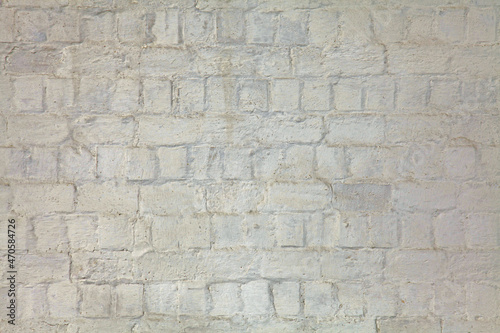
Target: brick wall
{"type": "Point", "coordinates": [251, 165]}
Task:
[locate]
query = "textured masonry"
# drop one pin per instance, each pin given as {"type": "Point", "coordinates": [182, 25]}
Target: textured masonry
{"type": "Point", "coordinates": [251, 165]}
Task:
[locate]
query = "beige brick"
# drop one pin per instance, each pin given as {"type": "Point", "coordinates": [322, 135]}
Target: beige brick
{"type": "Point", "coordinates": [172, 162]}
{"type": "Point", "coordinates": [129, 300]}
{"type": "Point", "coordinates": [225, 299]}
{"type": "Point", "coordinates": [62, 300]}
{"type": "Point", "coordinates": [287, 298]}
{"type": "Point", "coordinates": [481, 25]}
{"type": "Point", "coordinates": [107, 198]}
{"type": "Point", "coordinates": [171, 233]}
{"type": "Point", "coordinates": [96, 301]}
{"type": "Point", "coordinates": [161, 298]}
{"type": "Point", "coordinates": [6, 25]}
{"type": "Point", "coordinates": [292, 197]}
{"type": "Point", "coordinates": [103, 130]}
{"type": "Point", "coordinates": [157, 96]}
{"type": "Point", "coordinates": [43, 198]}
{"type": "Point", "coordinates": [171, 198]}
{"type": "Point", "coordinates": [60, 95]}
{"type": "Point", "coordinates": [42, 130]}
{"type": "Point", "coordinates": [115, 233]}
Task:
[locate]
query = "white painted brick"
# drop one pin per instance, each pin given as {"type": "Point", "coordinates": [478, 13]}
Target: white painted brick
{"type": "Point", "coordinates": [479, 197]}
{"type": "Point", "coordinates": [415, 265]}
{"type": "Point", "coordinates": [171, 233]}
{"type": "Point", "coordinates": [111, 162]}
{"type": "Point", "coordinates": [50, 234]}
{"type": "Point", "coordinates": [449, 299]}
{"type": "Point", "coordinates": [347, 95]}
{"type": "Point", "coordinates": [379, 94]}
{"type": "Point", "coordinates": [125, 98]}
{"type": "Point", "coordinates": [351, 298]}
{"type": "Point", "coordinates": [161, 298]}
{"type": "Point", "coordinates": [107, 198]}
{"type": "Point", "coordinates": [286, 297]}
{"type": "Point", "coordinates": [152, 62]}
{"type": "Point", "coordinates": [115, 233]}
{"type": "Point", "coordinates": [285, 95]}
{"type": "Point", "coordinates": [192, 298]}
{"type": "Point", "coordinates": [316, 95]}
{"type": "Point", "coordinates": [460, 162]}
{"type": "Point", "coordinates": [259, 231]}
{"type": "Point", "coordinates": [451, 24]}
{"type": "Point", "coordinates": [388, 25]}
{"type": "Point", "coordinates": [290, 265]}
{"type": "Point", "coordinates": [157, 96]}
{"type": "Point", "coordinates": [481, 129]}
{"type": "Point", "coordinates": [131, 27]}
{"type": "Point", "coordinates": [221, 94]}
{"type": "Point", "coordinates": [165, 29]}
{"type": "Point", "coordinates": [444, 93]}
{"type": "Point", "coordinates": [381, 300]}
{"type": "Point", "coordinates": [6, 25]}
{"type": "Point", "coordinates": [62, 300]}
{"type": "Point", "coordinates": [103, 130]}
{"type": "Point", "coordinates": [99, 27]}
{"type": "Point", "coordinates": [361, 197]}
{"type": "Point", "coordinates": [412, 93]}
{"type": "Point", "coordinates": [319, 299]}
{"type": "Point", "coordinates": [43, 130]}
{"type": "Point", "coordinates": [253, 95]}
{"type": "Point", "coordinates": [292, 28]}
{"type": "Point", "coordinates": [96, 301]}
{"type": "Point", "coordinates": [31, 26]}
{"type": "Point", "coordinates": [256, 298]}
{"type": "Point", "coordinates": [292, 163]}
{"type": "Point", "coordinates": [65, 27]}
{"type": "Point", "coordinates": [426, 196]}
{"type": "Point", "coordinates": [141, 164]}
{"type": "Point", "coordinates": [47, 268]}
{"type": "Point", "coordinates": [76, 164]}
{"type": "Point", "coordinates": [482, 300]}
{"type": "Point", "coordinates": [417, 324]}
{"type": "Point", "coordinates": [291, 197]}
{"type": "Point", "coordinates": [230, 26]}
{"type": "Point", "coordinates": [419, 23]}
{"type": "Point", "coordinates": [261, 28]}
{"type": "Point", "coordinates": [416, 299]}
{"type": "Point", "coordinates": [290, 230]}
{"type": "Point", "coordinates": [481, 25]}
{"type": "Point", "coordinates": [42, 164]}
{"type": "Point", "coordinates": [355, 130]}
{"type": "Point", "coordinates": [228, 231]}
{"type": "Point", "coordinates": [172, 162]}
{"type": "Point", "coordinates": [82, 232]}
{"type": "Point", "coordinates": [355, 26]}
{"type": "Point", "coordinates": [362, 264]}
{"type": "Point", "coordinates": [225, 299]}
{"type": "Point", "coordinates": [42, 198]}
{"type": "Point", "coordinates": [129, 300]}
{"type": "Point", "coordinates": [331, 162]}
{"type": "Point", "coordinates": [322, 231]}
{"type": "Point", "coordinates": [206, 163]}
{"type": "Point", "coordinates": [323, 27]}
{"type": "Point", "coordinates": [234, 198]}
{"type": "Point", "coordinates": [59, 95]}
{"type": "Point", "coordinates": [482, 230]}
{"type": "Point", "coordinates": [171, 198]}
{"type": "Point", "coordinates": [237, 164]}
{"type": "Point", "coordinates": [353, 231]}
{"type": "Point", "coordinates": [28, 96]}
{"type": "Point", "coordinates": [168, 131]}
{"type": "Point", "coordinates": [449, 230]}
{"type": "Point", "coordinates": [198, 27]}
{"type": "Point", "coordinates": [35, 300]}
{"type": "Point", "coordinates": [416, 231]}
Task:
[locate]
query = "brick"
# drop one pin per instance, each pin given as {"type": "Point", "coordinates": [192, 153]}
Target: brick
{"type": "Point", "coordinates": [5, 195]}
{"type": "Point", "coordinates": [96, 301]}
{"type": "Point", "coordinates": [206, 163]}
{"type": "Point", "coordinates": [321, 231]}
{"type": "Point", "coordinates": [198, 27]}
{"type": "Point", "coordinates": [6, 25]}
{"type": "Point", "coordinates": [131, 27]}
{"type": "Point", "coordinates": [323, 27]}
{"type": "Point", "coordinates": [285, 95]}
{"type": "Point", "coordinates": [451, 25]}
{"type": "Point", "coordinates": [49, 268]}
{"type": "Point", "coordinates": [444, 94]}
{"type": "Point", "coordinates": [161, 298]}
{"type": "Point", "coordinates": [463, 326]}
{"type": "Point", "coordinates": [171, 198]}
{"type": "Point", "coordinates": [234, 197]}
{"type": "Point", "coordinates": [171, 233]}
{"type": "Point", "coordinates": [353, 231]}
{"type": "Point", "coordinates": [479, 197]}
{"type": "Point", "coordinates": [50, 234]}
{"type": "Point", "coordinates": [355, 26]}
{"type": "Point", "coordinates": [43, 130]}
{"type": "Point", "coordinates": [412, 93]}
{"type": "Point", "coordinates": [419, 25]}
{"type": "Point", "coordinates": [416, 265]}
{"type": "Point", "coordinates": [94, 95]}
{"type": "Point", "coordinates": [357, 265]}
{"type": "Point", "coordinates": [474, 266]}
{"type": "Point", "coordinates": [460, 162]}
{"type": "Point", "coordinates": [389, 25]}
{"type": "Point", "coordinates": [81, 231]}
{"type": "Point", "coordinates": [59, 95]}
{"type": "Point", "coordinates": [417, 324]}
{"type": "Point", "coordinates": [41, 60]}
{"type": "Point", "coordinates": [292, 163]}
{"type": "Point", "coordinates": [487, 166]}
{"type": "Point", "coordinates": [449, 299]}
{"type": "Point", "coordinates": [230, 26]}
{"type": "Point", "coordinates": [101, 267]}
{"type": "Point", "coordinates": [355, 130]}
{"type": "Point", "coordinates": [381, 300]}
{"type": "Point", "coordinates": [261, 28]}
{"type": "Point", "coordinates": [379, 94]}
{"type": "Point", "coordinates": [115, 233]}
{"type": "Point", "coordinates": [125, 98]}
{"type": "Point", "coordinates": [290, 230]}
{"type": "Point", "coordinates": [416, 231]}
{"type": "Point", "coordinates": [449, 230]}
{"type": "Point", "coordinates": [403, 60]}
{"type": "Point", "coordinates": [259, 231]}
{"type": "Point", "coordinates": [316, 95]}
{"type": "Point", "coordinates": [28, 96]}
{"type": "Point", "coordinates": [107, 198]}
{"type": "Point", "coordinates": [482, 231]}
{"type": "Point", "coordinates": [141, 164]}
{"type": "Point", "coordinates": [351, 298]}
{"type": "Point", "coordinates": [331, 162]}
{"type": "Point", "coordinates": [424, 196]}
{"type": "Point", "coordinates": [129, 299]}
{"type": "Point", "coordinates": [13, 164]}
{"type": "Point", "coordinates": [76, 164]}
{"type": "Point", "coordinates": [292, 28]}
{"type": "Point", "coordinates": [253, 95]}
{"type": "Point", "coordinates": [383, 231]}
{"type": "Point", "coordinates": [42, 198]}
{"type": "Point", "coordinates": [41, 164]}
{"type": "Point", "coordinates": [152, 62]}
{"type": "Point", "coordinates": [172, 162]}
{"type": "Point", "coordinates": [256, 298]}
{"type": "Point", "coordinates": [62, 300]}
{"type": "Point", "coordinates": [286, 297]}
{"type": "Point", "coordinates": [421, 161]}
{"type": "Point", "coordinates": [416, 299]}
{"type": "Point", "coordinates": [319, 299]}
{"type": "Point", "coordinates": [157, 96]}
{"type": "Point", "coordinates": [482, 300]}
{"type": "Point", "coordinates": [192, 299]}
{"type": "Point", "coordinates": [65, 27]}
{"type": "Point", "coordinates": [481, 129]}
{"type": "Point", "coordinates": [168, 131]}
{"type": "Point", "coordinates": [103, 130]}
{"type": "Point", "coordinates": [290, 265]}
{"type": "Point", "coordinates": [225, 299]}
{"type": "Point", "coordinates": [481, 25]}
{"type": "Point", "coordinates": [291, 197]}
{"type": "Point", "coordinates": [361, 197]}
{"type": "Point", "coordinates": [32, 26]}
{"type": "Point", "coordinates": [35, 300]}
{"type": "Point", "coordinates": [99, 27]}
{"type": "Point", "coordinates": [228, 231]}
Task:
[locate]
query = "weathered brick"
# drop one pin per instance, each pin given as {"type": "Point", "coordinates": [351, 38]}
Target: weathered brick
{"type": "Point", "coordinates": [319, 299]}
{"type": "Point", "coordinates": [129, 299]}
{"type": "Point", "coordinates": [292, 197]}
{"type": "Point", "coordinates": [286, 297]}
{"type": "Point", "coordinates": [60, 95]}
{"type": "Point", "coordinates": [357, 265]}
{"type": "Point", "coordinates": [416, 265]}
{"type": "Point", "coordinates": [292, 28]}
{"type": "Point", "coordinates": [479, 197]}
{"type": "Point", "coordinates": [234, 198]}
{"type": "Point", "coordinates": [115, 233]}
{"type": "Point", "coordinates": [172, 162]}
{"type": "Point", "coordinates": [171, 233]}
{"type": "Point", "coordinates": [6, 25]}
{"type": "Point", "coordinates": [107, 198]}
{"type": "Point", "coordinates": [96, 301]}
{"type": "Point", "coordinates": [168, 131]}
{"type": "Point", "coordinates": [161, 298]}
{"type": "Point", "coordinates": [42, 130]}
{"type": "Point", "coordinates": [417, 324]}
{"type": "Point", "coordinates": [131, 27]}
{"type": "Point", "coordinates": [361, 197]}
{"type": "Point", "coordinates": [157, 96]}
{"type": "Point", "coordinates": [230, 26]}
{"type": "Point", "coordinates": [103, 130]}
{"type": "Point", "coordinates": [43, 198]}
{"type": "Point", "coordinates": [225, 299]}
{"type": "Point", "coordinates": [171, 198]}
{"type": "Point", "coordinates": [481, 25]}
{"type": "Point", "coordinates": [99, 27]}
{"type": "Point", "coordinates": [355, 130]}
{"type": "Point", "coordinates": [425, 196]}
{"type": "Point", "coordinates": [290, 265]}
{"type": "Point", "coordinates": [261, 27]}
{"type": "Point", "coordinates": [62, 300]}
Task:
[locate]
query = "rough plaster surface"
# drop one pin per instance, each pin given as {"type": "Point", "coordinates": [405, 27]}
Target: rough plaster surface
{"type": "Point", "coordinates": [251, 165]}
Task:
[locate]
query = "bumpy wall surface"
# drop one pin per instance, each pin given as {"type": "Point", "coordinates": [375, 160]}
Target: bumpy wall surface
{"type": "Point", "coordinates": [250, 165]}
